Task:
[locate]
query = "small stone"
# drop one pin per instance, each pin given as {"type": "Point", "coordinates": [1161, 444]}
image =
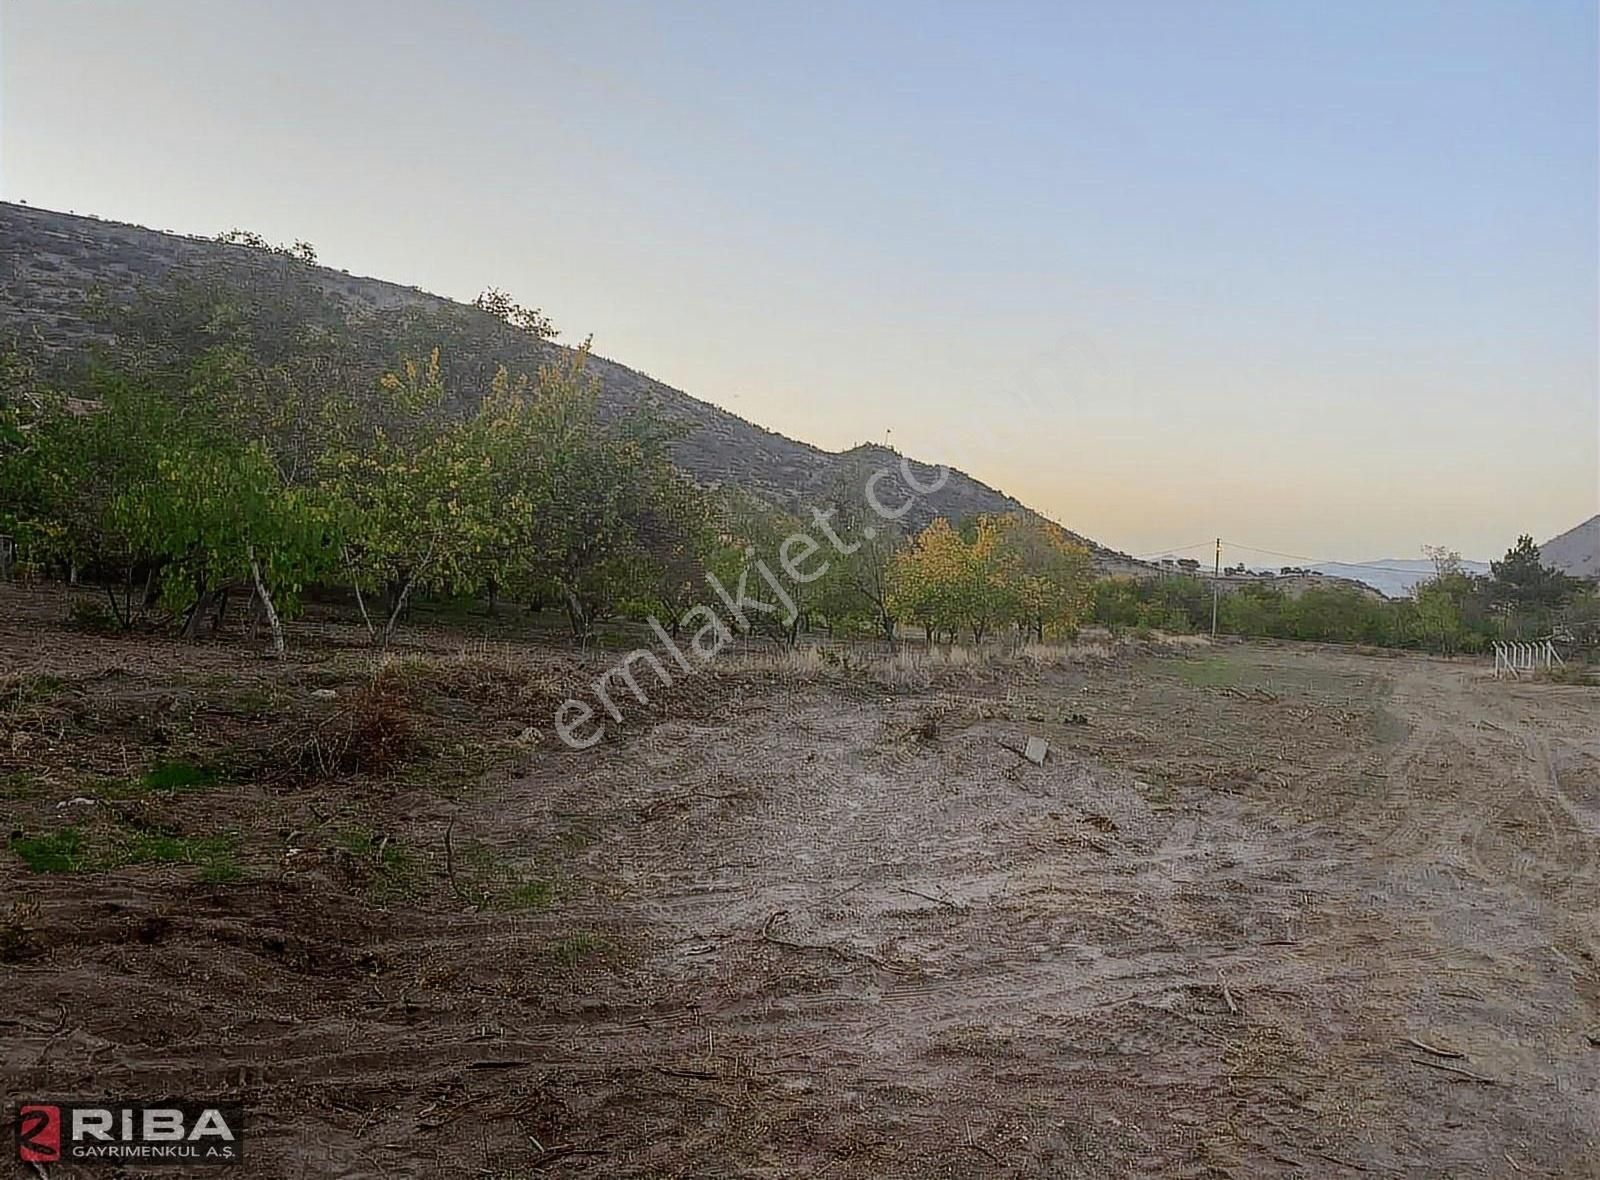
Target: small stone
{"type": "Point", "coordinates": [323, 694]}
{"type": "Point", "coordinates": [1036, 750]}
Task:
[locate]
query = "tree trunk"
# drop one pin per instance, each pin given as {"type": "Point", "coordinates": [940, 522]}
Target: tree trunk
{"type": "Point", "coordinates": [361, 603]}
{"type": "Point", "coordinates": [396, 610]}
{"type": "Point", "coordinates": [196, 616]}
{"type": "Point", "coordinates": [265, 598]}
{"type": "Point", "coordinates": [578, 615]}
{"type": "Point", "coordinates": [197, 612]}
{"type": "Point", "coordinates": [127, 597]}
{"type": "Point", "coordinates": [115, 610]}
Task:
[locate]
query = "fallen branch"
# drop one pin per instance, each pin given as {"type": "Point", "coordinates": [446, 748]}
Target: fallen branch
{"type": "Point", "coordinates": [555, 1153]}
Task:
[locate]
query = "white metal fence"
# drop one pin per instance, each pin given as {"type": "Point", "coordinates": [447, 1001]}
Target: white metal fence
{"type": "Point", "coordinates": [1513, 659]}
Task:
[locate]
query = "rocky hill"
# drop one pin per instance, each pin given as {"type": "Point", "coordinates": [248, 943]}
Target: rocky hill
{"type": "Point", "coordinates": [51, 263]}
{"type": "Point", "coordinates": [1576, 551]}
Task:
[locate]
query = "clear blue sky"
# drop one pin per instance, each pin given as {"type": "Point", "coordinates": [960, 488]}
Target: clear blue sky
{"type": "Point", "coordinates": [1317, 277]}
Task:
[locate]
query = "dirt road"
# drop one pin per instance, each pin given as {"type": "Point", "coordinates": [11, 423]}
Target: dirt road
{"type": "Point", "coordinates": [1263, 912]}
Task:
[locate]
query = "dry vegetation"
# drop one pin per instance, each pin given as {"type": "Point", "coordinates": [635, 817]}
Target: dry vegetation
{"type": "Point", "coordinates": [1262, 911]}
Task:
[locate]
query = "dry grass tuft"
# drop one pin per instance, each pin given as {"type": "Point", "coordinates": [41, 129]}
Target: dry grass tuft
{"type": "Point", "coordinates": [371, 732]}
{"type": "Point", "coordinates": [914, 668]}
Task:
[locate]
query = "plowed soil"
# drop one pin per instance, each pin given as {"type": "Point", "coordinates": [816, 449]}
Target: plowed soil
{"type": "Point", "coordinates": [1263, 911]}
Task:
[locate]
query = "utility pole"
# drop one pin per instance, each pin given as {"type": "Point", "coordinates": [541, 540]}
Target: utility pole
{"type": "Point", "coordinates": [1216, 577]}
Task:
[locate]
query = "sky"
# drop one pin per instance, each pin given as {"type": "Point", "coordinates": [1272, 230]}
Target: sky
{"type": "Point", "coordinates": [1315, 278]}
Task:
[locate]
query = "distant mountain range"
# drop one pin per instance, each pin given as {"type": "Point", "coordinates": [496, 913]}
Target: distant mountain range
{"type": "Point", "coordinates": [1575, 552]}
{"type": "Point", "coordinates": [1395, 577]}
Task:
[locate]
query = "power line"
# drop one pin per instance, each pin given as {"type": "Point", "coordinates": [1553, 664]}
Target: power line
{"type": "Point", "coordinates": [1361, 565]}
{"type": "Point", "coordinates": [1179, 549]}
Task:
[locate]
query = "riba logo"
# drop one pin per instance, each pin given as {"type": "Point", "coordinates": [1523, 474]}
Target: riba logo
{"type": "Point", "coordinates": [148, 1133]}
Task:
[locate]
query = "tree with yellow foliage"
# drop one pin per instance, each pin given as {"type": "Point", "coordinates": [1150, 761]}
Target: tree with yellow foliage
{"type": "Point", "coordinates": [1003, 569]}
{"type": "Point", "coordinates": [1050, 575]}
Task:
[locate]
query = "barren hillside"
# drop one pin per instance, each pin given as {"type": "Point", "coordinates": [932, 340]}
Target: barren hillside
{"type": "Point", "coordinates": [1576, 551]}
{"type": "Point", "coordinates": [50, 264]}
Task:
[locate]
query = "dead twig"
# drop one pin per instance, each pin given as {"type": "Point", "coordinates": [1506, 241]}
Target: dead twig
{"type": "Point", "coordinates": [944, 901]}
{"type": "Point", "coordinates": [553, 1154]}
{"type": "Point", "coordinates": [450, 856]}
{"type": "Point", "coordinates": [1434, 1049]}
{"type": "Point", "coordinates": [1466, 1073]}
{"type": "Point", "coordinates": [1227, 993]}
{"type": "Point", "coordinates": [832, 948]}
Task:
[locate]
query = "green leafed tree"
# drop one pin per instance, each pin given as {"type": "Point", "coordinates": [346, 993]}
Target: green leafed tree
{"type": "Point", "coordinates": [589, 511]}
{"type": "Point", "coordinates": [409, 481]}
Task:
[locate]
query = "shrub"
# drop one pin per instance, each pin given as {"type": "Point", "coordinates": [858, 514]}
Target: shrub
{"type": "Point", "coordinates": [371, 733]}
{"type": "Point", "coordinates": [90, 614]}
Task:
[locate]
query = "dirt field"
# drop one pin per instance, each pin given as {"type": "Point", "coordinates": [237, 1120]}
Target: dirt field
{"type": "Point", "coordinates": [1264, 911]}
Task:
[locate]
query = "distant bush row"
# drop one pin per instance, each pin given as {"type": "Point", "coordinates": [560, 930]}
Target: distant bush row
{"type": "Point", "coordinates": [1453, 611]}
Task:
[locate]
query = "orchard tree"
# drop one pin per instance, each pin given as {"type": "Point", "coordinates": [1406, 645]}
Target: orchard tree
{"type": "Point", "coordinates": [1049, 574]}
{"type": "Point", "coordinates": [411, 492]}
{"type": "Point", "coordinates": [30, 416]}
{"type": "Point", "coordinates": [217, 515]}
{"type": "Point", "coordinates": [589, 510]}
{"type": "Point", "coordinates": [861, 585]}
{"type": "Point", "coordinates": [925, 580]}
{"type": "Point", "coordinates": [769, 567]}
{"type": "Point", "coordinates": [989, 581]}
